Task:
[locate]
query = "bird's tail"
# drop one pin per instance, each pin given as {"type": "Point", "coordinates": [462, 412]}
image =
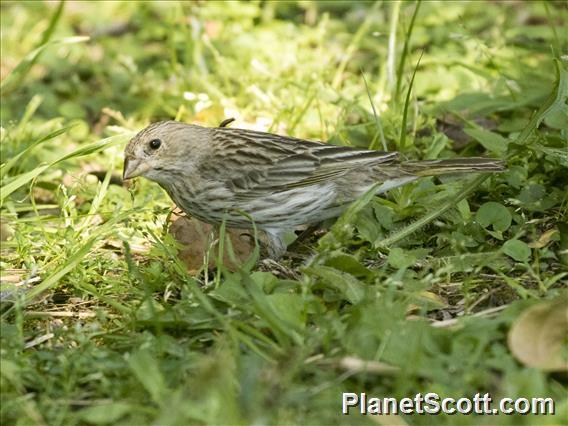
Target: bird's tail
{"type": "Point", "coordinates": [458, 165]}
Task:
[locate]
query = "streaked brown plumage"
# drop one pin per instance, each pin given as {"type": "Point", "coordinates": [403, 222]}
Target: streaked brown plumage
{"type": "Point", "coordinates": [217, 174]}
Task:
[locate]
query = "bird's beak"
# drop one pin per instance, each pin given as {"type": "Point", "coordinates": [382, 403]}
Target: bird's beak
{"type": "Point", "coordinates": [132, 168]}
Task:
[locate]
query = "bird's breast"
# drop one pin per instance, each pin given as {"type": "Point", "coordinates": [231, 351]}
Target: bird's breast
{"type": "Point", "coordinates": [282, 209]}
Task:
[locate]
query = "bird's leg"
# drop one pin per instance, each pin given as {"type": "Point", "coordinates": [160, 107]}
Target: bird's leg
{"type": "Point", "coordinates": [276, 246]}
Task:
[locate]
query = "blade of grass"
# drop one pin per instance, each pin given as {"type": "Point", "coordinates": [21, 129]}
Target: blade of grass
{"type": "Point", "coordinates": [23, 68]}
{"type": "Point", "coordinates": [250, 342]}
{"type": "Point", "coordinates": [92, 290]}
{"type": "Point", "coordinates": [377, 119]}
{"type": "Point", "coordinates": [96, 203]}
{"type": "Point", "coordinates": [46, 36]}
{"type": "Point", "coordinates": [220, 252]}
{"type": "Point", "coordinates": [92, 148]}
{"type": "Point", "coordinates": [402, 141]}
{"type": "Point", "coordinates": [13, 80]}
{"type": "Point", "coordinates": [391, 54]}
{"type": "Point", "coordinates": [355, 41]}
{"type": "Point", "coordinates": [250, 263]}
{"type": "Point", "coordinates": [20, 181]}
{"type": "Point", "coordinates": [251, 331]}
{"type": "Point", "coordinates": [29, 112]}
{"type": "Point", "coordinates": [342, 229]}
{"type": "Point", "coordinates": [302, 112]}
{"type": "Point", "coordinates": [555, 102]}
{"type": "Point", "coordinates": [180, 269]}
{"type": "Point", "coordinates": [557, 48]}
{"type": "Point", "coordinates": [5, 168]}
{"type": "Point", "coordinates": [404, 53]}
{"type": "Point", "coordinates": [74, 260]}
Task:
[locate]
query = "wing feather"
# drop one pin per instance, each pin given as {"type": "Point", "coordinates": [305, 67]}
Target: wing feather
{"type": "Point", "coordinates": [255, 163]}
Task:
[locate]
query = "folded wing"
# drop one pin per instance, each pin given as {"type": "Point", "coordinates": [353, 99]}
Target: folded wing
{"type": "Point", "coordinates": [256, 163]}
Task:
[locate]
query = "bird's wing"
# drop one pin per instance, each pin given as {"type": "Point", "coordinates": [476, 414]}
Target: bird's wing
{"type": "Point", "coordinates": [254, 163]}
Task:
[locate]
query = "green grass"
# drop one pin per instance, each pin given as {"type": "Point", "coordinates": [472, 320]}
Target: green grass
{"type": "Point", "coordinates": [416, 291]}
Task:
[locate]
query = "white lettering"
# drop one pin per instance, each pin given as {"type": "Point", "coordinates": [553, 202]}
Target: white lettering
{"type": "Point", "coordinates": [349, 400]}
{"type": "Point", "coordinates": [505, 406]}
{"type": "Point", "coordinates": [464, 405]}
{"type": "Point", "coordinates": [522, 406]}
{"type": "Point", "coordinates": [390, 406]}
{"type": "Point", "coordinates": [542, 406]}
{"type": "Point", "coordinates": [445, 403]}
{"type": "Point", "coordinates": [374, 406]}
{"type": "Point", "coordinates": [432, 401]}
{"type": "Point", "coordinates": [406, 406]}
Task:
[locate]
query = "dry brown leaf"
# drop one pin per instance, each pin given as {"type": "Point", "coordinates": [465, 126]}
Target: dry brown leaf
{"type": "Point", "coordinates": [544, 239]}
{"type": "Point", "coordinates": [538, 336]}
{"type": "Point", "coordinates": [195, 237]}
{"type": "Point", "coordinates": [6, 231]}
{"type": "Point", "coordinates": [432, 299]}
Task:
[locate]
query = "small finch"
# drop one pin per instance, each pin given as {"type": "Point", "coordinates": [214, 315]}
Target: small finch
{"type": "Point", "coordinates": [280, 182]}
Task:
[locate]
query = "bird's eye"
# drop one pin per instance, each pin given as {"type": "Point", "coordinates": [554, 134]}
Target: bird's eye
{"type": "Point", "coordinates": [155, 143]}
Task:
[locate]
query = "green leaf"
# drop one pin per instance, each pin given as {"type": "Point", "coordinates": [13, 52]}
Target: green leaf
{"type": "Point", "coordinates": [104, 414]}
{"type": "Point", "coordinates": [536, 197]}
{"type": "Point", "coordinates": [288, 307]}
{"type": "Point", "coordinates": [368, 229]}
{"type": "Point", "coordinates": [558, 154]}
{"type": "Point", "coordinates": [147, 371]}
{"type": "Point", "coordinates": [384, 215]}
{"type": "Point", "coordinates": [491, 141]}
{"type": "Point", "coordinates": [398, 258]}
{"type": "Point", "coordinates": [351, 288]}
{"type": "Point", "coordinates": [557, 119]}
{"type": "Point", "coordinates": [463, 208]}
{"type": "Point", "coordinates": [265, 309]}
{"type": "Point", "coordinates": [556, 104]}
{"type": "Point", "coordinates": [231, 291]}
{"type": "Point", "coordinates": [517, 249]}
{"type": "Point", "coordinates": [494, 214]}
{"type": "Point", "coordinates": [349, 264]}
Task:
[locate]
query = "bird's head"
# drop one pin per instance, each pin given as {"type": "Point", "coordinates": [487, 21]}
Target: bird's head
{"type": "Point", "coordinates": [163, 149]}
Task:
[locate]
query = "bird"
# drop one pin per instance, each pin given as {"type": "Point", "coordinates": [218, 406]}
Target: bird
{"type": "Point", "coordinates": [241, 176]}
